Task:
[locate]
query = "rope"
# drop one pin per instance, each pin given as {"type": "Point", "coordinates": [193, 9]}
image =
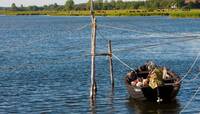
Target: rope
{"type": "Point", "coordinates": [190, 69]}
{"type": "Point", "coordinates": [140, 32]}
{"type": "Point", "coordinates": [149, 37]}
{"type": "Point", "coordinates": [123, 62]}
{"type": "Point", "coordinates": [190, 101]}
{"type": "Point", "coordinates": [101, 35]}
{"type": "Point", "coordinates": [82, 27]}
{"type": "Point", "coordinates": [152, 28]}
{"type": "Point", "coordinates": [123, 29]}
{"type": "Point", "coordinates": [152, 45]}
{"type": "Point", "coordinates": [155, 45]}
{"type": "Point", "coordinates": [196, 76]}
{"type": "Point", "coordinates": [193, 78]}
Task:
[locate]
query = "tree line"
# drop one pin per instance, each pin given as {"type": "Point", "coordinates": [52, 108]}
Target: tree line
{"type": "Point", "coordinates": [110, 5]}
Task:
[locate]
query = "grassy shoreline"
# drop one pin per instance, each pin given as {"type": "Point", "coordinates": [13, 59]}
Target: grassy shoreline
{"type": "Point", "coordinates": [164, 12]}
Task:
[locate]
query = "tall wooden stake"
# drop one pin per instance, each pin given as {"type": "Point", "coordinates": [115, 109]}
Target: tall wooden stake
{"type": "Point", "coordinates": [93, 87]}
{"type": "Point", "coordinates": [110, 63]}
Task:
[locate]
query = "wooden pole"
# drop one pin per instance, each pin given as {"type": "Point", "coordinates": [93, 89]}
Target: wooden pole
{"type": "Point", "coordinates": [93, 87]}
{"type": "Point", "coordinates": [110, 63]}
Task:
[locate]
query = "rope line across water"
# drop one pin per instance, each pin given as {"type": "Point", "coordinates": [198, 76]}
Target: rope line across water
{"type": "Point", "coordinates": [124, 29]}
{"type": "Point", "coordinates": [190, 101]}
{"type": "Point", "coordinates": [123, 62]}
{"type": "Point", "coordinates": [190, 69]}
{"type": "Point", "coordinates": [155, 45]}
{"type": "Point", "coordinates": [193, 79]}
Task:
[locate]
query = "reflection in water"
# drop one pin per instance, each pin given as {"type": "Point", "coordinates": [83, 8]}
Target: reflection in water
{"type": "Point", "coordinates": [110, 101]}
{"type": "Point", "coordinates": [93, 105]}
{"type": "Point", "coordinates": [146, 107]}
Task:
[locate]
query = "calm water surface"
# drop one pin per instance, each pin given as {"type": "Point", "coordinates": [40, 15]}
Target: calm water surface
{"type": "Point", "coordinates": [44, 67]}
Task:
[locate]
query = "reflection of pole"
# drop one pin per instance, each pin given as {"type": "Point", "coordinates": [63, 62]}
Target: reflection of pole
{"type": "Point", "coordinates": [93, 87]}
{"type": "Point", "coordinates": [92, 104]}
{"type": "Point", "coordinates": [110, 63]}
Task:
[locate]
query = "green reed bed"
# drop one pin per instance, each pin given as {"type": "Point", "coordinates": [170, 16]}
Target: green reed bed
{"type": "Point", "coordinates": [138, 12]}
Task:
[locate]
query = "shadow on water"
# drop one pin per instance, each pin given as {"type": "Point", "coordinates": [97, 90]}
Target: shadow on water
{"type": "Point", "coordinates": [147, 107]}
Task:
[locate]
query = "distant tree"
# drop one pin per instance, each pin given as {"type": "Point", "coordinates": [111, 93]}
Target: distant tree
{"type": "Point", "coordinates": [33, 8]}
{"type": "Point", "coordinates": [113, 3]}
{"type": "Point", "coordinates": [193, 5]}
{"type": "Point", "coordinates": [61, 8]}
{"type": "Point", "coordinates": [22, 8]}
{"type": "Point", "coordinates": [88, 5]}
{"type": "Point", "coordinates": [167, 3]}
{"type": "Point", "coordinates": [136, 5]}
{"type": "Point", "coordinates": [45, 7]}
{"type": "Point", "coordinates": [156, 4]}
{"type": "Point", "coordinates": [180, 3]}
{"type": "Point", "coordinates": [53, 7]}
{"type": "Point", "coordinates": [105, 5]}
{"type": "Point", "coordinates": [13, 6]}
{"type": "Point", "coordinates": [119, 4]}
{"type": "Point", "coordinates": [98, 4]}
{"type": "Point", "coordinates": [69, 5]}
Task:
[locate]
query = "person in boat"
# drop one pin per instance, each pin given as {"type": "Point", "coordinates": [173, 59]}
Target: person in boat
{"type": "Point", "coordinates": [146, 67]}
{"type": "Point", "coordinates": [155, 76]}
{"type": "Point", "coordinates": [150, 66]}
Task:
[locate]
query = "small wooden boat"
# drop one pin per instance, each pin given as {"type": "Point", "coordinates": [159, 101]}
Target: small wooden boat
{"type": "Point", "coordinates": [165, 92]}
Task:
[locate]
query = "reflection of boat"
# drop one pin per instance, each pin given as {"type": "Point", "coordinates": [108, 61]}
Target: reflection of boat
{"type": "Point", "coordinates": [146, 107]}
{"type": "Point", "coordinates": [166, 91]}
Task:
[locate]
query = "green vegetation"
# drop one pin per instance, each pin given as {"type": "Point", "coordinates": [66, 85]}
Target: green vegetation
{"type": "Point", "coordinates": [186, 14]}
{"type": "Point", "coordinates": [172, 13]}
{"type": "Point", "coordinates": [173, 8]}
